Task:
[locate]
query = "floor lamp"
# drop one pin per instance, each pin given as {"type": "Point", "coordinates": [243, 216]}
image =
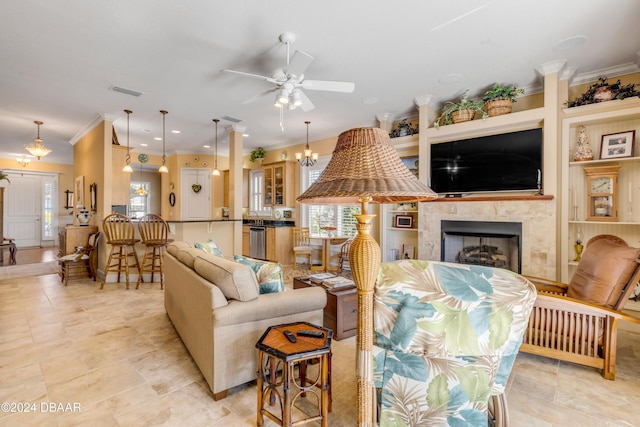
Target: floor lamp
{"type": "Point", "coordinates": [365, 168]}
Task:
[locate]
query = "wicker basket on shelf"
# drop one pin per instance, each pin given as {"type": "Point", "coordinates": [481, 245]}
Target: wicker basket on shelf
{"type": "Point", "coordinates": [498, 107]}
{"type": "Point", "coordinates": [460, 116]}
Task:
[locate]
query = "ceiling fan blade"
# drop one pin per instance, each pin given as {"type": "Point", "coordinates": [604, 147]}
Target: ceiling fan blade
{"type": "Point", "coordinates": [254, 98]}
{"type": "Point", "coordinates": [306, 105]}
{"type": "Point", "coordinates": [346, 87]}
{"type": "Point", "coordinates": [299, 63]}
{"type": "Point", "coordinates": [255, 76]}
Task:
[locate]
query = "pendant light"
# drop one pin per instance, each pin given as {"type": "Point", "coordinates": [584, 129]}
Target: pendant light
{"type": "Point", "coordinates": [216, 172]}
{"type": "Point", "coordinates": [163, 168]}
{"type": "Point", "coordinates": [127, 167]}
{"type": "Point", "coordinates": [141, 191]}
{"type": "Point", "coordinates": [37, 148]}
{"type": "Point", "coordinates": [309, 158]}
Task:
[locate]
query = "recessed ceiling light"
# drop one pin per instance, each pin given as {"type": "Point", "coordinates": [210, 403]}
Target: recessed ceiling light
{"type": "Point", "coordinates": [570, 43]}
{"type": "Point", "coordinates": [206, 146]}
{"type": "Point", "coordinates": [175, 131]}
{"type": "Point", "coordinates": [370, 100]}
{"type": "Point", "coordinates": [246, 135]}
{"type": "Point", "coordinates": [448, 79]}
{"type": "Point", "coordinates": [157, 138]}
{"type": "Point", "coordinates": [144, 145]}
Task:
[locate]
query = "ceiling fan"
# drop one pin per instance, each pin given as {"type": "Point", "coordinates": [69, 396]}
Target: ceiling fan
{"type": "Point", "coordinates": [290, 80]}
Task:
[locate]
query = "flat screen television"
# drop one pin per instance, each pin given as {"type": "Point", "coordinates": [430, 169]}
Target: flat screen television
{"type": "Point", "coordinates": [505, 162]}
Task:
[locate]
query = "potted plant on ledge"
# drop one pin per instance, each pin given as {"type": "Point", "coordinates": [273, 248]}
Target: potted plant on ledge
{"type": "Point", "coordinates": [257, 155]}
{"type": "Point", "coordinates": [463, 110]}
{"type": "Point", "coordinates": [499, 99]}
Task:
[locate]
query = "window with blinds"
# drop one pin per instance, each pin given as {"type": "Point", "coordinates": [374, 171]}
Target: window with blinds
{"type": "Point", "coordinates": [316, 217]}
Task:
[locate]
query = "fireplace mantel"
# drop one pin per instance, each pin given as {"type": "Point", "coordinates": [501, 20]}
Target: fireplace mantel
{"type": "Point", "coordinates": [492, 198]}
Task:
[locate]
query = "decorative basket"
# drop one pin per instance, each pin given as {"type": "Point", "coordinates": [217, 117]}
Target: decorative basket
{"type": "Point", "coordinates": [460, 116]}
{"type": "Point", "coordinates": [498, 107]}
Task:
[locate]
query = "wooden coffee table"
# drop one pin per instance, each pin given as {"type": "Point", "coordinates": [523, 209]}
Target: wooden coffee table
{"type": "Point", "coordinates": [341, 311]}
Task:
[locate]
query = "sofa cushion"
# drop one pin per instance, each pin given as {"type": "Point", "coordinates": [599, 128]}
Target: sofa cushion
{"type": "Point", "coordinates": [174, 247]}
{"type": "Point", "coordinates": [269, 274]}
{"type": "Point", "coordinates": [605, 268]}
{"type": "Point", "coordinates": [210, 247]}
{"type": "Point", "coordinates": [188, 255]}
{"type": "Point", "coordinates": [235, 280]}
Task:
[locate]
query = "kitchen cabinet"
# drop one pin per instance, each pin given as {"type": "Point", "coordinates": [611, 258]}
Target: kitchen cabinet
{"type": "Point", "coordinates": [279, 183]}
{"type": "Point", "coordinates": [246, 240]}
{"type": "Point", "coordinates": [279, 245]}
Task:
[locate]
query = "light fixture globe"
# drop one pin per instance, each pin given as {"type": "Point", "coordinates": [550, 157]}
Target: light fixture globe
{"type": "Point", "coordinates": [36, 148]}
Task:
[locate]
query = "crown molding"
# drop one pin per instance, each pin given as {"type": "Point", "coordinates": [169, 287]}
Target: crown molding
{"type": "Point", "coordinates": [99, 118]}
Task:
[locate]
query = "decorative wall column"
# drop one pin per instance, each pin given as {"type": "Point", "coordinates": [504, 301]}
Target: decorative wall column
{"type": "Point", "coordinates": [235, 182]}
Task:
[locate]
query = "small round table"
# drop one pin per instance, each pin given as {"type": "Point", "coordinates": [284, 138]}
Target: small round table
{"type": "Point", "coordinates": [277, 359]}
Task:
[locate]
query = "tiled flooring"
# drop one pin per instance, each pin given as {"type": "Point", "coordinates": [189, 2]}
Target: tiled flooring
{"type": "Point", "coordinates": [116, 355]}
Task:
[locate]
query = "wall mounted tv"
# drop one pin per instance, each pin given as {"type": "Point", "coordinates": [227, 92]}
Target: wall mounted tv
{"type": "Point", "coordinates": [504, 162]}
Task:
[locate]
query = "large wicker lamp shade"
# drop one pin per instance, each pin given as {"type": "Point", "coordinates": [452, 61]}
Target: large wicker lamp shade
{"type": "Point", "coordinates": [365, 168]}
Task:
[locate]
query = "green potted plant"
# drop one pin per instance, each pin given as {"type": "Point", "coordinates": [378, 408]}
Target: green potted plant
{"type": "Point", "coordinates": [257, 155]}
{"type": "Point", "coordinates": [3, 177]}
{"type": "Point", "coordinates": [461, 111]}
{"type": "Point", "coordinates": [499, 99]}
{"type": "Point", "coordinates": [602, 90]}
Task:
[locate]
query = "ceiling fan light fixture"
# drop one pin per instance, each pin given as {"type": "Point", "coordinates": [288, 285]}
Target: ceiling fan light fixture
{"type": "Point", "coordinates": [283, 96]}
{"type": "Point", "coordinates": [127, 167]}
{"type": "Point", "coordinates": [277, 103]}
{"type": "Point", "coordinates": [297, 99]}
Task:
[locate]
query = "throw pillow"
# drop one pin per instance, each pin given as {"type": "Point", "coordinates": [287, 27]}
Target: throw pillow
{"type": "Point", "coordinates": [210, 247]}
{"type": "Point", "coordinates": [269, 274]}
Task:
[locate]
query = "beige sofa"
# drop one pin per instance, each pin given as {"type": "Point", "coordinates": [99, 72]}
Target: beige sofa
{"type": "Point", "coordinates": [215, 305]}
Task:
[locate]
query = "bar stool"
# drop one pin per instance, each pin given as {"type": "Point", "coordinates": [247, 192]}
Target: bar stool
{"type": "Point", "coordinates": [120, 234]}
{"type": "Point", "coordinates": [154, 232]}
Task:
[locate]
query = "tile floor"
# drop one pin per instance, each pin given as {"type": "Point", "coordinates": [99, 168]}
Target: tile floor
{"type": "Point", "coordinates": [115, 355]}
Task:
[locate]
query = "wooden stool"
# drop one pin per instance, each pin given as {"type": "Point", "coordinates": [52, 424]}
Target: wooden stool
{"type": "Point", "coordinates": [277, 359]}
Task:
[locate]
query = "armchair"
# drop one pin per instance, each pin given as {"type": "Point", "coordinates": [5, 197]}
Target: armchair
{"type": "Point", "coordinates": [578, 322]}
{"type": "Point", "coordinates": [447, 336]}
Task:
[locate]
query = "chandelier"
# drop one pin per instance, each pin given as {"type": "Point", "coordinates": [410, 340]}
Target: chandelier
{"type": "Point", "coordinates": [127, 167]}
{"type": "Point", "coordinates": [23, 161]}
{"type": "Point", "coordinates": [163, 168]}
{"type": "Point", "coordinates": [309, 158]}
{"type": "Point", "coordinates": [37, 148]}
{"type": "Point", "coordinates": [141, 191]}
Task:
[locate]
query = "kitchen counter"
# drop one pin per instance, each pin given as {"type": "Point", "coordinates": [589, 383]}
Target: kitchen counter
{"type": "Point", "coordinates": [270, 223]}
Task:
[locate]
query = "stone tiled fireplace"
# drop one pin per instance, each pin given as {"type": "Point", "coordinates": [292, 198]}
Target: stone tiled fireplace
{"type": "Point", "coordinates": [536, 216]}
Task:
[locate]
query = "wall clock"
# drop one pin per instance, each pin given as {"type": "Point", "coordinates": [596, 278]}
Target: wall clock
{"type": "Point", "coordinates": [602, 193]}
{"type": "Point", "coordinates": [143, 158]}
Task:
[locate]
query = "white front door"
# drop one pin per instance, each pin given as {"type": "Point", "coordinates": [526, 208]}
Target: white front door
{"type": "Point", "coordinates": [23, 208]}
{"type": "Point", "coordinates": [195, 194]}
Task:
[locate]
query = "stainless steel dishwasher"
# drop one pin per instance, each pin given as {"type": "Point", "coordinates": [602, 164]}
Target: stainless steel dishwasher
{"type": "Point", "coordinates": [258, 242]}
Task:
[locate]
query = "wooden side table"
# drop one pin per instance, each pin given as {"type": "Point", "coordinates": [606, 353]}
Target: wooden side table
{"type": "Point", "coordinates": [276, 379]}
{"type": "Point", "coordinates": [341, 311]}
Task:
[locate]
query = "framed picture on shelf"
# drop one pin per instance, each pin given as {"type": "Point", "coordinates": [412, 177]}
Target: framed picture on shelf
{"type": "Point", "coordinates": [617, 145]}
{"type": "Point", "coordinates": [404, 221]}
{"type": "Point", "coordinates": [412, 164]}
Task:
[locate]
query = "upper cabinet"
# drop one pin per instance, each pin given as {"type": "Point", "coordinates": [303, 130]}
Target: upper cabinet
{"type": "Point", "coordinates": [279, 183]}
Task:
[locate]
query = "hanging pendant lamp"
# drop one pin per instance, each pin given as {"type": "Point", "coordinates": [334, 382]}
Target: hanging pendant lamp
{"type": "Point", "coordinates": [163, 168]}
{"type": "Point", "coordinates": [216, 172]}
{"type": "Point", "coordinates": [37, 148]}
{"type": "Point", "coordinates": [310, 158]}
{"type": "Point", "coordinates": [127, 167]}
{"type": "Point", "coordinates": [141, 191]}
